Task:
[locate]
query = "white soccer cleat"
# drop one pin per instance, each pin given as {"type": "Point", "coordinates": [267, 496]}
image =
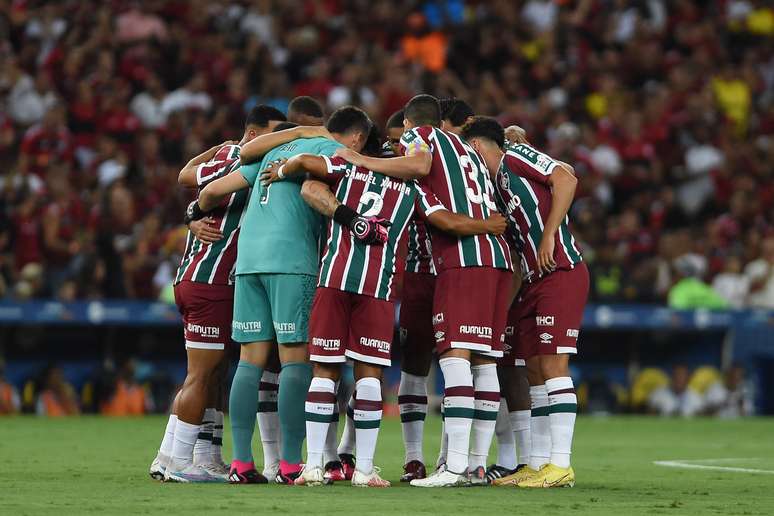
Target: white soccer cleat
{"type": "Point", "coordinates": [158, 467]}
{"type": "Point", "coordinates": [360, 479]}
{"type": "Point", "coordinates": [442, 478]}
{"type": "Point", "coordinates": [271, 470]}
{"type": "Point", "coordinates": [216, 470]}
{"type": "Point", "coordinates": [311, 476]}
{"type": "Point", "coordinates": [190, 474]}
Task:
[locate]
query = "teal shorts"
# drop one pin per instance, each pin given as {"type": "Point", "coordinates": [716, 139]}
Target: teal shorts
{"type": "Point", "coordinates": [272, 307]}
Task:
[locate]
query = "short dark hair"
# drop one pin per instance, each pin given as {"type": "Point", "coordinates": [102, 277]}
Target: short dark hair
{"type": "Point", "coordinates": [423, 110]}
{"type": "Point", "coordinates": [284, 125]}
{"type": "Point", "coordinates": [456, 111]}
{"type": "Point", "coordinates": [349, 119]}
{"type": "Point", "coordinates": [484, 127]}
{"type": "Point", "coordinates": [373, 143]}
{"type": "Point", "coordinates": [262, 114]}
{"type": "Point", "coordinates": [305, 105]}
{"type": "Point", "coordinates": [395, 120]}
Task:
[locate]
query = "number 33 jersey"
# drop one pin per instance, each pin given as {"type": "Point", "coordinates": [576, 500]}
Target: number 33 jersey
{"type": "Point", "coordinates": [458, 182]}
{"type": "Point", "coordinates": [348, 264]}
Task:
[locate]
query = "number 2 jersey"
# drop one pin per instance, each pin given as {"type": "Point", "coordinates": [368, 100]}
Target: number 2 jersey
{"type": "Point", "coordinates": [458, 182]}
{"type": "Point", "coordinates": [525, 194]}
{"type": "Point", "coordinates": [214, 263]}
{"type": "Point", "coordinates": [347, 263]}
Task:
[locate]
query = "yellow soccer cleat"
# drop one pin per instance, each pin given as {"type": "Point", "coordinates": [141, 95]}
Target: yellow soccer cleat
{"type": "Point", "coordinates": [514, 478]}
{"type": "Point", "coordinates": [550, 476]}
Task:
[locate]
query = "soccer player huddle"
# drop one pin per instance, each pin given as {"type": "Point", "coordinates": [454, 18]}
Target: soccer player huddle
{"type": "Point", "coordinates": [291, 252]}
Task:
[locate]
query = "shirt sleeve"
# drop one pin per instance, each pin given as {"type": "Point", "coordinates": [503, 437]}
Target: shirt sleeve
{"type": "Point", "coordinates": [427, 203]}
{"type": "Point", "coordinates": [418, 139]}
{"type": "Point", "coordinates": [212, 170]}
{"type": "Point", "coordinates": [530, 163]}
{"type": "Point", "coordinates": [328, 147]}
{"type": "Point", "coordinates": [337, 167]}
{"type": "Point", "coordinates": [250, 172]}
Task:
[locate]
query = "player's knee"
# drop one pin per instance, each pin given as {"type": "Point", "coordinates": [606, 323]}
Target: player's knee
{"type": "Point", "coordinates": [364, 370]}
{"type": "Point", "coordinates": [534, 372]}
{"type": "Point", "coordinates": [417, 364]}
{"type": "Point", "coordinates": [553, 366]}
{"type": "Point", "coordinates": [296, 352]}
{"type": "Point", "coordinates": [330, 371]}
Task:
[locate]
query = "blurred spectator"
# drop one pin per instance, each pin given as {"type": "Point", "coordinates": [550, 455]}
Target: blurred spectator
{"type": "Point", "coordinates": [56, 397]}
{"type": "Point", "coordinates": [10, 403]}
{"type": "Point", "coordinates": [690, 291]}
{"type": "Point", "coordinates": [732, 397]}
{"type": "Point", "coordinates": [676, 399]}
{"type": "Point", "coordinates": [760, 274]}
{"type": "Point", "coordinates": [731, 284]}
{"type": "Point", "coordinates": [125, 397]}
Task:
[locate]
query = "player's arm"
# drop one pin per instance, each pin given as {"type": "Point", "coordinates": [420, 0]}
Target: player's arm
{"type": "Point", "coordinates": [462, 225]}
{"type": "Point", "coordinates": [315, 166]}
{"type": "Point", "coordinates": [205, 230]}
{"type": "Point", "coordinates": [563, 183]}
{"type": "Point", "coordinates": [414, 165]}
{"type": "Point", "coordinates": [187, 175]}
{"type": "Point", "coordinates": [257, 147]}
{"type": "Point", "coordinates": [319, 196]}
{"type": "Point", "coordinates": [212, 195]}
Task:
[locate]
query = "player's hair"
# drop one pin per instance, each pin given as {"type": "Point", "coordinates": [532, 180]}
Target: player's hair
{"type": "Point", "coordinates": [284, 125]}
{"type": "Point", "coordinates": [423, 110]}
{"type": "Point", "coordinates": [262, 114]}
{"type": "Point", "coordinates": [456, 111]}
{"type": "Point", "coordinates": [305, 105]}
{"type": "Point", "coordinates": [395, 120]}
{"type": "Point", "coordinates": [349, 119]}
{"type": "Point", "coordinates": [373, 144]}
{"type": "Point", "coordinates": [484, 127]}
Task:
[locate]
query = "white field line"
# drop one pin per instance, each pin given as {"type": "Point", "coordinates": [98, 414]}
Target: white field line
{"type": "Point", "coordinates": [707, 464]}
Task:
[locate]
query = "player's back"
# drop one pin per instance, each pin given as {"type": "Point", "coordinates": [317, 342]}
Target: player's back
{"type": "Point", "coordinates": [349, 264]}
{"type": "Point", "coordinates": [281, 232]}
{"type": "Point", "coordinates": [460, 181]}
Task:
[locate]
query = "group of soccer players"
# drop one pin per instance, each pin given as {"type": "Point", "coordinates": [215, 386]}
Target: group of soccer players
{"type": "Point", "coordinates": [258, 269]}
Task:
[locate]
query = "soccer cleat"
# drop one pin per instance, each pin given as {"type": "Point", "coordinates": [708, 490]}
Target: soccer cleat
{"type": "Point", "coordinates": [495, 472]}
{"type": "Point", "coordinates": [347, 465]}
{"type": "Point", "coordinates": [550, 476]}
{"type": "Point", "coordinates": [334, 471]}
{"type": "Point", "coordinates": [190, 474]}
{"type": "Point", "coordinates": [309, 477]}
{"type": "Point", "coordinates": [442, 478]}
{"type": "Point", "coordinates": [216, 470]}
{"type": "Point", "coordinates": [360, 479]}
{"type": "Point", "coordinates": [251, 476]}
{"type": "Point", "coordinates": [271, 470]}
{"type": "Point", "coordinates": [477, 477]}
{"type": "Point", "coordinates": [288, 479]}
{"type": "Point", "coordinates": [412, 470]}
{"type": "Point", "coordinates": [522, 472]}
{"type": "Point", "coordinates": [158, 467]}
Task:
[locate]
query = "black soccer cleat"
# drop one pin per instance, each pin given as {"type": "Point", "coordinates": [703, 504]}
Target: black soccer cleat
{"type": "Point", "coordinates": [288, 480]}
{"type": "Point", "coordinates": [251, 476]}
{"type": "Point", "coordinates": [494, 472]}
{"type": "Point", "coordinates": [413, 470]}
{"type": "Point", "coordinates": [347, 465]}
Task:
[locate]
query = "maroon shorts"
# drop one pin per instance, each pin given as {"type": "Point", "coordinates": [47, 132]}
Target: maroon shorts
{"type": "Point", "coordinates": [345, 325]}
{"type": "Point", "coordinates": [207, 311]}
{"type": "Point", "coordinates": [547, 314]}
{"type": "Point", "coordinates": [416, 312]}
{"type": "Point", "coordinates": [470, 309]}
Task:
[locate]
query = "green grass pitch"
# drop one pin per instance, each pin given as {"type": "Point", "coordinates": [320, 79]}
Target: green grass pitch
{"type": "Point", "coordinates": [93, 465]}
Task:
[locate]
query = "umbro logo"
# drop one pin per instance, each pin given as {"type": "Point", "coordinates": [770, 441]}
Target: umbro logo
{"type": "Point", "coordinates": [545, 338]}
{"type": "Point", "coordinates": [439, 335]}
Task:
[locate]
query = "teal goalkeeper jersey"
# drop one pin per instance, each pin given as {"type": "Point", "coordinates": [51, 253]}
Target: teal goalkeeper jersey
{"type": "Point", "coordinates": [280, 232]}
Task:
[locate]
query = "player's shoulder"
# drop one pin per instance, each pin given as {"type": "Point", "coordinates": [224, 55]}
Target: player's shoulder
{"type": "Point", "coordinates": [227, 153]}
{"type": "Point", "coordinates": [522, 153]}
{"type": "Point", "coordinates": [422, 132]}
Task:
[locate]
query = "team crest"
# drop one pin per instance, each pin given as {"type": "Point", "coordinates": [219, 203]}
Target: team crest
{"type": "Point", "coordinates": [505, 182]}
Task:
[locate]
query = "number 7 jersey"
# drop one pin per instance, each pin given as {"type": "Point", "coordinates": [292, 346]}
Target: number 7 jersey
{"type": "Point", "coordinates": [458, 182]}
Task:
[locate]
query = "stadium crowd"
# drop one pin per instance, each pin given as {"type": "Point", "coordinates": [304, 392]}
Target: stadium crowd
{"type": "Point", "coordinates": [664, 109]}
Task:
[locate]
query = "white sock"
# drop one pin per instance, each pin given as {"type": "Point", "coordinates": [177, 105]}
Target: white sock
{"type": "Point", "coordinates": [203, 447]}
{"type": "Point", "coordinates": [216, 450]}
{"type": "Point", "coordinates": [331, 439]}
{"type": "Point", "coordinates": [169, 436]}
{"type": "Point", "coordinates": [520, 424]}
{"type": "Point", "coordinates": [368, 417]}
{"type": "Point", "coordinates": [319, 411]}
{"type": "Point", "coordinates": [458, 411]}
{"type": "Point", "coordinates": [562, 408]}
{"type": "Point", "coordinates": [268, 418]}
{"type": "Point", "coordinates": [540, 427]}
{"type": "Point", "coordinates": [443, 452]}
{"type": "Point", "coordinates": [506, 446]}
{"type": "Point", "coordinates": [347, 443]}
{"type": "Point", "coordinates": [412, 404]}
{"type": "Point", "coordinates": [486, 404]}
{"type": "Point", "coordinates": [185, 439]}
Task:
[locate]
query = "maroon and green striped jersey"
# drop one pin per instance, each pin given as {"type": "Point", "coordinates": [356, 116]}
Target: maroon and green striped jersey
{"type": "Point", "coordinates": [525, 194]}
{"type": "Point", "coordinates": [419, 257]}
{"type": "Point", "coordinates": [459, 182]}
{"type": "Point", "coordinates": [214, 263]}
{"type": "Point", "coordinates": [347, 263]}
